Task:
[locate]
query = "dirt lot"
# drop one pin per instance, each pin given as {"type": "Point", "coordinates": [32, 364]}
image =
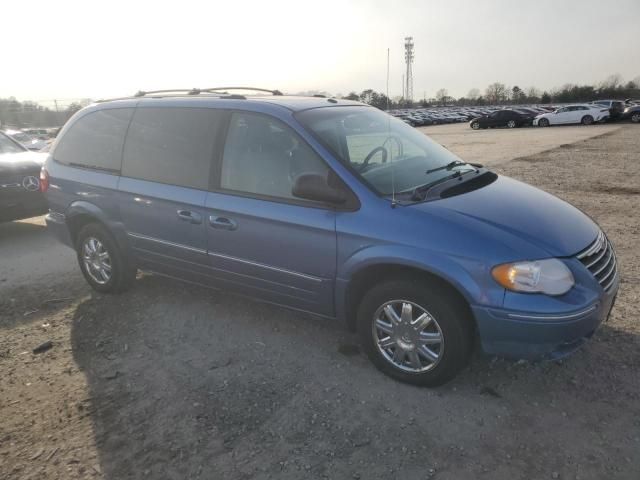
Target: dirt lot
{"type": "Point", "coordinates": [175, 381]}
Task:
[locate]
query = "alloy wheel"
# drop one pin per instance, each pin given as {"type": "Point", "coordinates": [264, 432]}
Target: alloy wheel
{"type": "Point", "coordinates": [408, 336]}
{"type": "Point", "coordinates": [97, 261]}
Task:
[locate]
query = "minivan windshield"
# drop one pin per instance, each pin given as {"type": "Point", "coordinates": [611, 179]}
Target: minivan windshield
{"type": "Point", "coordinates": [389, 155]}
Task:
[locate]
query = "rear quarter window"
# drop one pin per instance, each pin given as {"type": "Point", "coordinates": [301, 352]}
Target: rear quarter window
{"type": "Point", "coordinates": [172, 145]}
{"type": "Point", "coordinates": [95, 140]}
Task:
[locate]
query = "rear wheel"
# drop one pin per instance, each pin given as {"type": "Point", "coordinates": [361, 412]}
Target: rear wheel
{"type": "Point", "coordinates": [415, 332]}
{"type": "Point", "coordinates": [635, 118]}
{"type": "Point", "coordinates": [543, 122]}
{"type": "Point", "coordinates": [587, 120]}
{"type": "Point", "coordinates": [511, 124]}
{"type": "Point", "coordinates": [102, 263]}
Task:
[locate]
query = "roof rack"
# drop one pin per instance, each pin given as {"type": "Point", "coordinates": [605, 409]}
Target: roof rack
{"type": "Point", "coordinates": [197, 91]}
{"type": "Point", "coordinates": [224, 89]}
{"type": "Point", "coordinates": [220, 91]}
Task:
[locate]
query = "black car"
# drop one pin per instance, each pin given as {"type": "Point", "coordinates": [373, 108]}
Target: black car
{"type": "Point", "coordinates": [501, 118]}
{"type": "Point", "coordinates": [616, 108]}
{"type": "Point", "coordinates": [20, 195]}
{"type": "Point", "coordinates": [631, 112]}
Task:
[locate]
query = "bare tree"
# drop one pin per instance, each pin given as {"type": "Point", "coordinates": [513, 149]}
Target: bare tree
{"type": "Point", "coordinates": [473, 94]}
{"type": "Point", "coordinates": [496, 93]}
{"type": "Point", "coordinates": [533, 93]}
{"type": "Point", "coordinates": [442, 95]}
{"type": "Point", "coordinates": [612, 81]}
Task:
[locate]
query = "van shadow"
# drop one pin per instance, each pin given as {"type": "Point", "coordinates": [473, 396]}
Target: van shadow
{"type": "Point", "coordinates": [187, 382]}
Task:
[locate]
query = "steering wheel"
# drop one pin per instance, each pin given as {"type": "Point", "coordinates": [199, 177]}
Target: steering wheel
{"type": "Point", "coordinates": [365, 163]}
{"type": "Point", "coordinates": [398, 143]}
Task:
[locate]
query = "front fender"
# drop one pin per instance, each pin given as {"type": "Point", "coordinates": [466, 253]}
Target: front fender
{"type": "Point", "coordinates": [467, 275]}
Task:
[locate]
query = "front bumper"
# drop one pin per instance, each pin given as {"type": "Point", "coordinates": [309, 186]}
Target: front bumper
{"type": "Point", "coordinates": [532, 336]}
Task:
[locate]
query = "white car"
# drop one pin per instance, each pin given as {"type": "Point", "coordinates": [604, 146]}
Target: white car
{"type": "Point", "coordinates": [585, 114]}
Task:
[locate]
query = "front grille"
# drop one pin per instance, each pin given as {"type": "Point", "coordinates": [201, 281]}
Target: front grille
{"type": "Point", "coordinates": [600, 260]}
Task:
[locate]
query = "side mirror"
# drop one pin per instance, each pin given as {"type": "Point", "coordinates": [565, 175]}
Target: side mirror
{"type": "Point", "coordinates": [313, 186]}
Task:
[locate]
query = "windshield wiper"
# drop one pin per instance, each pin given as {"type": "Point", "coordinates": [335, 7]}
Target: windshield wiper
{"type": "Point", "coordinates": [420, 192]}
{"type": "Point", "coordinates": [448, 166]}
{"type": "Point", "coordinates": [451, 165]}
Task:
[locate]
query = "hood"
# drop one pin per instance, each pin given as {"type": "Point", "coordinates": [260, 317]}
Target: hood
{"type": "Point", "coordinates": [23, 162]}
{"type": "Point", "coordinates": [529, 222]}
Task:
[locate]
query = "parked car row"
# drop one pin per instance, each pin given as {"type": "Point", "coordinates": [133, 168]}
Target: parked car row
{"type": "Point", "coordinates": [439, 115]}
{"type": "Point", "coordinates": [34, 139]}
{"type": "Point", "coordinates": [523, 115]}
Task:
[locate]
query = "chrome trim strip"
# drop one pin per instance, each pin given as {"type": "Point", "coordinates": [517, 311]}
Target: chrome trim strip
{"type": "Point", "coordinates": [598, 258]}
{"type": "Point", "coordinates": [268, 267]}
{"type": "Point", "coordinates": [164, 242]}
{"type": "Point", "coordinates": [608, 286]}
{"type": "Point", "coordinates": [613, 269]}
{"type": "Point", "coordinates": [594, 247]}
{"type": "Point", "coordinates": [605, 264]}
{"type": "Point", "coordinates": [555, 317]}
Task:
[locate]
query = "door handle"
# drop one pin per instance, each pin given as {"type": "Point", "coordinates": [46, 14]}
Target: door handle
{"type": "Point", "coordinates": [222, 223]}
{"type": "Point", "coordinates": [188, 216]}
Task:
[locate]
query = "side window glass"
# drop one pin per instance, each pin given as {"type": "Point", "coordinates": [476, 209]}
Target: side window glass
{"type": "Point", "coordinates": [95, 140]}
{"type": "Point", "coordinates": [171, 145]}
{"type": "Point", "coordinates": [263, 156]}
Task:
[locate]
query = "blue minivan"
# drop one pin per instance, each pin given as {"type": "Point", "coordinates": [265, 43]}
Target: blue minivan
{"type": "Point", "coordinates": [335, 208]}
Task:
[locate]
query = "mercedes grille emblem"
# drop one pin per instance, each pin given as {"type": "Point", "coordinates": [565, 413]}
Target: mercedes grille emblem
{"type": "Point", "coordinates": [31, 183]}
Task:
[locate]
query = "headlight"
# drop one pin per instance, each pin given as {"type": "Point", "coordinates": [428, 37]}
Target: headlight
{"type": "Point", "coordinates": [548, 276]}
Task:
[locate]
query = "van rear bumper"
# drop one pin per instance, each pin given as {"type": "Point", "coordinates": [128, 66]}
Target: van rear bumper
{"type": "Point", "coordinates": [57, 226]}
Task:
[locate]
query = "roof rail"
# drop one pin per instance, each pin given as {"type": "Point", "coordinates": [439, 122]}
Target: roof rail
{"type": "Point", "coordinates": [224, 89]}
{"type": "Point", "coordinates": [220, 91]}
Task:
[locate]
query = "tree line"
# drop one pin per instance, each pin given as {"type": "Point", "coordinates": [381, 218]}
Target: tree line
{"type": "Point", "coordinates": [613, 87]}
{"type": "Point", "coordinates": [31, 114]}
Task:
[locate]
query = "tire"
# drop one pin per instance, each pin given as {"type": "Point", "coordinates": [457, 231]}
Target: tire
{"type": "Point", "coordinates": [512, 124]}
{"type": "Point", "coordinates": [543, 122]}
{"type": "Point", "coordinates": [101, 261]}
{"type": "Point", "coordinates": [587, 120]}
{"type": "Point", "coordinates": [475, 125]}
{"type": "Point", "coordinates": [397, 349]}
{"type": "Point", "coordinates": [635, 118]}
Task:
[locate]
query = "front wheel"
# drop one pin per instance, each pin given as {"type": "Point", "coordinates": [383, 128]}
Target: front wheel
{"type": "Point", "coordinates": [587, 120]}
{"type": "Point", "coordinates": [475, 125]}
{"type": "Point", "coordinates": [511, 124]}
{"type": "Point", "coordinates": [543, 122]}
{"type": "Point", "coordinates": [102, 263]}
{"type": "Point", "coordinates": [415, 332]}
{"type": "Point", "coordinates": [635, 118]}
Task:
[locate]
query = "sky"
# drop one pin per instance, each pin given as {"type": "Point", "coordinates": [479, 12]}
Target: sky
{"type": "Point", "coordinates": [66, 49]}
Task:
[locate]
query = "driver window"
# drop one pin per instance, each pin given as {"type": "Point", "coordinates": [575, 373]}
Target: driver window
{"type": "Point", "coordinates": [263, 156]}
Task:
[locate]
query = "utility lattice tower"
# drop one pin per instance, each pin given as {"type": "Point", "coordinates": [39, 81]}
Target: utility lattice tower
{"type": "Point", "coordinates": [408, 58]}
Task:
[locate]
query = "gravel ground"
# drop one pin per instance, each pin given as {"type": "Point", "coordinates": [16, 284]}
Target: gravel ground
{"type": "Point", "coordinates": [174, 381]}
